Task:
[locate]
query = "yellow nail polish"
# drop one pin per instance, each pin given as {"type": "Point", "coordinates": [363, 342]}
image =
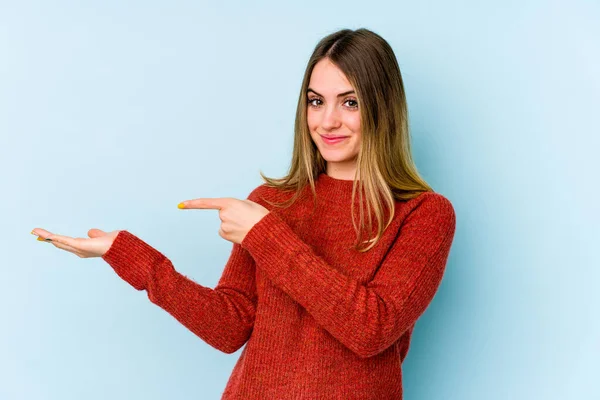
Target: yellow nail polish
{"type": "Point", "coordinates": [33, 233]}
{"type": "Point", "coordinates": [180, 205]}
{"type": "Point", "coordinates": [41, 239]}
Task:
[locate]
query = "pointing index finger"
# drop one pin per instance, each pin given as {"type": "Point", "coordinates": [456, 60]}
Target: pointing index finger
{"type": "Point", "coordinates": [204, 203]}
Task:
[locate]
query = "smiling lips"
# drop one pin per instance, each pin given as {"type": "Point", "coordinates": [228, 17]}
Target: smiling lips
{"type": "Point", "coordinates": [333, 139]}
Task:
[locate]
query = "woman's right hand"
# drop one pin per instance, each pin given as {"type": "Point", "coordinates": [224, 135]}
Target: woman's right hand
{"type": "Point", "coordinates": [96, 246]}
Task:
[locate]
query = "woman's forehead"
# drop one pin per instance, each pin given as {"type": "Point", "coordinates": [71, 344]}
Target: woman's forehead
{"type": "Point", "coordinates": [327, 78]}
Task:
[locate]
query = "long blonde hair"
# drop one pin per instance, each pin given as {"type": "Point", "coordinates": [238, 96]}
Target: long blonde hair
{"type": "Point", "coordinates": [385, 168]}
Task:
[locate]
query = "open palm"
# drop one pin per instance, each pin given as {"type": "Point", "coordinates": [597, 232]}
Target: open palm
{"type": "Point", "coordinates": [96, 246]}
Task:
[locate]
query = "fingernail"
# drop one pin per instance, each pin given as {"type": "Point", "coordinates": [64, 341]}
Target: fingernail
{"type": "Point", "coordinates": [41, 239]}
{"type": "Point", "coordinates": [180, 205]}
{"type": "Point", "coordinates": [33, 233]}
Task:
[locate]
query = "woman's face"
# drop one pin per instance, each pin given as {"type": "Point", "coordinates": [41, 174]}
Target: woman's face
{"type": "Point", "coordinates": [333, 111]}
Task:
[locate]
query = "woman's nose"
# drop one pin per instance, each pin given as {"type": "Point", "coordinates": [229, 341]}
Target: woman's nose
{"type": "Point", "coordinates": [331, 118]}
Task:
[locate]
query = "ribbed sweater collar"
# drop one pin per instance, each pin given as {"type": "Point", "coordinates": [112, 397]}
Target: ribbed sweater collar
{"type": "Point", "coordinates": [332, 189]}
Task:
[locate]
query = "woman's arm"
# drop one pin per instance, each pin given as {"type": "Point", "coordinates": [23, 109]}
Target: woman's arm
{"type": "Point", "coordinates": [223, 317]}
{"type": "Point", "coordinates": [366, 318]}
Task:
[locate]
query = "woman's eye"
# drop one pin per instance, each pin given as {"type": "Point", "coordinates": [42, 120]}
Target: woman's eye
{"type": "Point", "coordinates": [312, 102]}
{"type": "Point", "coordinates": [353, 103]}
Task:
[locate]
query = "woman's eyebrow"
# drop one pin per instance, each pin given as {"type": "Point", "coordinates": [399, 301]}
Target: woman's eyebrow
{"type": "Point", "coordinates": [339, 95]}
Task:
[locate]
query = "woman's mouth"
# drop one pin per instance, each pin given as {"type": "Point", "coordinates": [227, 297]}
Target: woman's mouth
{"type": "Point", "coordinates": [334, 140]}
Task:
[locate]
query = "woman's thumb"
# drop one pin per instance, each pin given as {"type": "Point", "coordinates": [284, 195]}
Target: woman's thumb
{"type": "Point", "coordinates": [94, 233]}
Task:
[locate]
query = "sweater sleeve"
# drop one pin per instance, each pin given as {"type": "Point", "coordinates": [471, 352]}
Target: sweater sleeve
{"type": "Point", "coordinates": [223, 317]}
{"type": "Point", "coordinates": [366, 318]}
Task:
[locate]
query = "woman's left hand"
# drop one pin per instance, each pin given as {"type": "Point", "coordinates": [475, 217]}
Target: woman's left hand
{"type": "Point", "coordinates": [237, 216]}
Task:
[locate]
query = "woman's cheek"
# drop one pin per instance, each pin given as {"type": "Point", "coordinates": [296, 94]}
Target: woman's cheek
{"type": "Point", "coordinates": [312, 127]}
{"type": "Point", "coordinates": [310, 120]}
{"type": "Point", "coordinates": [355, 122]}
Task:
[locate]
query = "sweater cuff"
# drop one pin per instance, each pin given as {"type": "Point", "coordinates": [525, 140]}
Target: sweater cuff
{"type": "Point", "coordinates": [132, 259]}
{"type": "Point", "coordinates": [270, 241]}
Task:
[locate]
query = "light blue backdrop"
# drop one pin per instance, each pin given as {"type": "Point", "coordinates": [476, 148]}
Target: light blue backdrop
{"type": "Point", "coordinates": [112, 113]}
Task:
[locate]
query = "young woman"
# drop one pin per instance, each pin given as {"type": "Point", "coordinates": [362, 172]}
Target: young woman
{"type": "Point", "coordinates": [326, 305]}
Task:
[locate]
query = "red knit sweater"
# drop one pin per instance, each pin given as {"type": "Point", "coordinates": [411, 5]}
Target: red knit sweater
{"type": "Point", "coordinates": [319, 319]}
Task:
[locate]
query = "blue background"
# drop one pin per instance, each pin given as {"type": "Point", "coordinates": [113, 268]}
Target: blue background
{"type": "Point", "coordinates": [111, 113]}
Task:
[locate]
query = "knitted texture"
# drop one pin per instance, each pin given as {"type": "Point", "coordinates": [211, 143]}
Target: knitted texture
{"type": "Point", "coordinates": [319, 319]}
